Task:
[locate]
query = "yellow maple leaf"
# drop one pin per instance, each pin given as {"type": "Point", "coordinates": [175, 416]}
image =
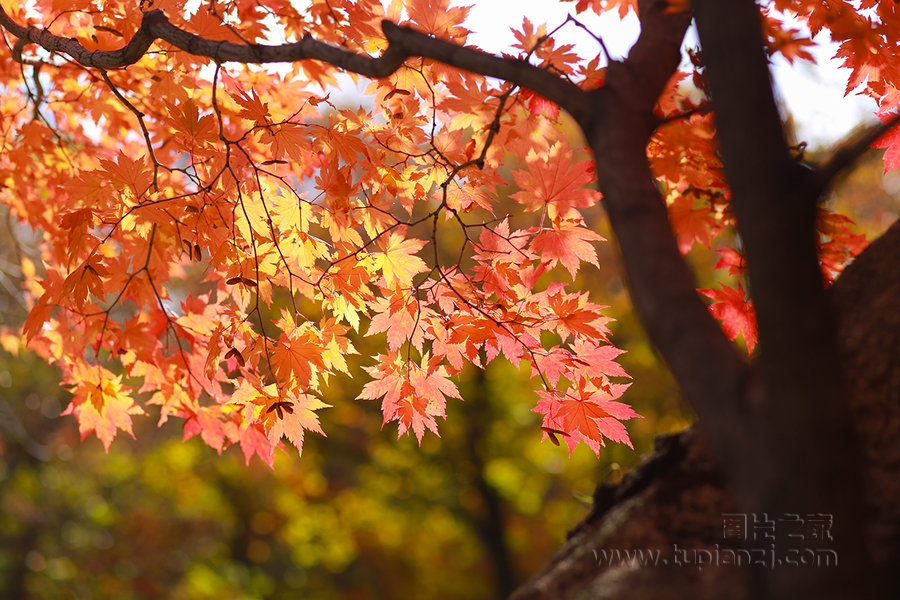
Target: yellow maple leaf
{"type": "Point", "coordinates": [399, 263]}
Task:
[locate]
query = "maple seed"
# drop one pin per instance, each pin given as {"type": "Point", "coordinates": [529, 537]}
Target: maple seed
{"type": "Point", "coordinates": [280, 407]}
{"type": "Point", "coordinates": [109, 30]}
{"type": "Point", "coordinates": [553, 433]}
{"type": "Point", "coordinates": [246, 281]}
{"type": "Point", "coordinates": [396, 91]}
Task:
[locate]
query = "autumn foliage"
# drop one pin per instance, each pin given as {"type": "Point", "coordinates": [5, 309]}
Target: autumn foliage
{"type": "Point", "coordinates": [212, 236]}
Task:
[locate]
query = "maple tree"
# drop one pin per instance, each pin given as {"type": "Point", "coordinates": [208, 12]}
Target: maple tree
{"type": "Point", "coordinates": [215, 231]}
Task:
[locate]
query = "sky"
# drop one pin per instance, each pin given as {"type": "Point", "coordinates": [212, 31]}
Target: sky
{"type": "Point", "coordinates": [813, 93]}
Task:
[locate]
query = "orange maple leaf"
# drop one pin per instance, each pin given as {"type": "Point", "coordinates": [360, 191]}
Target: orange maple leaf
{"type": "Point", "coordinates": [100, 403]}
{"type": "Point", "coordinates": [569, 245]}
{"type": "Point", "coordinates": [298, 356]}
{"type": "Point", "coordinates": [438, 18]}
{"type": "Point", "coordinates": [412, 394]}
{"type": "Point", "coordinates": [575, 315]}
{"type": "Point", "coordinates": [555, 182]}
{"type": "Point", "coordinates": [591, 417]}
{"type": "Point", "coordinates": [692, 224]}
{"type": "Point", "coordinates": [127, 172]}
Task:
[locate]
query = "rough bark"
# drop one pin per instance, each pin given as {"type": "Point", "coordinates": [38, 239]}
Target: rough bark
{"type": "Point", "coordinates": [678, 495]}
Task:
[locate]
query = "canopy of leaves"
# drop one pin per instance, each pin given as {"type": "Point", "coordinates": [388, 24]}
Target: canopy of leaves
{"type": "Point", "coordinates": [215, 236]}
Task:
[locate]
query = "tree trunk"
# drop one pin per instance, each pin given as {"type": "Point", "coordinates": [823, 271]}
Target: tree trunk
{"type": "Point", "coordinates": [674, 502]}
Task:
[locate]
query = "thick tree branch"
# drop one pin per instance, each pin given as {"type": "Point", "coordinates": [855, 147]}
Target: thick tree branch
{"type": "Point", "coordinates": [127, 55]}
{"type": "Point", "coordinates": [848, 151]}
{"type": "Point", "coordinates": [413, 43]}
{"type": "Point", "coordinates": [403, 44]}
{"type": "Point", "coordinates": [661, 285]}
{"type": "Point", "coordinates": [802, 417]}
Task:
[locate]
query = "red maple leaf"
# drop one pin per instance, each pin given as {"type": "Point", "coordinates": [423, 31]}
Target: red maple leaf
{"type": "Point", "coordinates": [598, 359]}
{"type": "Point", "coordinates": [538, 105]}
{"type": "Point", "coordinates": [207, 422]}
{"type": "Point", "coordinates": [253, 440]}
{"type": "Point", "coordinates": [732, 260]}
{"type": "Point", "coordinates": [735, 311]}
{"type": "Point", "coordinates": [891, 142]}
{"type": "Point", "coordinates": [399, 316]}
